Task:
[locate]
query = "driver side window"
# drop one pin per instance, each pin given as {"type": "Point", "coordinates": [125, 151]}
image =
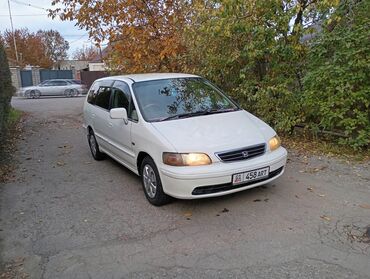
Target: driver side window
{"type": "Point", "coordinates": [122, 99]}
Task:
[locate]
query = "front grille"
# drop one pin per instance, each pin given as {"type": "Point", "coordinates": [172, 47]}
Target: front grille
{"type": "Point", "coordinates": [242, 153]}
{"type": "Point", "coordinates": [203, 190]}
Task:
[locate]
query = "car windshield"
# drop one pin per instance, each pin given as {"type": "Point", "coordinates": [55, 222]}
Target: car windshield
{"type": "Point", "coordinates": [167, 99]}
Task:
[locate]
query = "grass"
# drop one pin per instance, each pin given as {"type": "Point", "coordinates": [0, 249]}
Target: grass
{"type": "Point", "coordinates": [13, 117]}
{"type": "Point", "coordinates": [8, 145]}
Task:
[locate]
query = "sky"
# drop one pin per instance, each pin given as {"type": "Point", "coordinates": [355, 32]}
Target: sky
{"type": "Point", "coordinates": [35, 18]}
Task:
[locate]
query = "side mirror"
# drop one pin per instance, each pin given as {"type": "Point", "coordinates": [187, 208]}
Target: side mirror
{"type": "Point", "coordinates": [119, 113]}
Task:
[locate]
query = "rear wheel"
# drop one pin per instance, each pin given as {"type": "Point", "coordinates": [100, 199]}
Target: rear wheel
{"type": "Point", "coordinates": [69, 93]}
{"type": "Point", "coordinates": [152, 184]}
{"type": "Point", "coordinates": [94, 147]}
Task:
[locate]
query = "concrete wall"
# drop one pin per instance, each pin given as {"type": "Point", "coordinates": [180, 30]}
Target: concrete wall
{"type": "Point", "coordinates": [97, 66]}
{"type": "Point", "coordinates": [16, 77]}
{"type": "Point", "coordinates": [76, 65]}
{"type": "Point", "coordinates": [35, 75]}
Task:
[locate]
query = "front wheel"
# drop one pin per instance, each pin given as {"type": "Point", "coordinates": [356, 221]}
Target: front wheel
{"type": "Point", "coordinates": [37, 94]}
{"type": "Point", "coordinates": [152, 184]}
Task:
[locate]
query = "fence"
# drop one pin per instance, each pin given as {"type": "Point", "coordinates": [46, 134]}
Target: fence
{"type": "Point", "coordinates": [26, 78]}
{"type": "Point", "coordinates": [88, 78]}
{"type": "Point", "coordinates": [23, 78]}
{"type": "Point", "coordinates": [55, 74]}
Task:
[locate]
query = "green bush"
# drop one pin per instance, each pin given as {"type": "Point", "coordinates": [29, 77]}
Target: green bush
{"type": "Point", "coordinates": [6, 90]}
{"type": "Point", "coordinates": [284, 71]}
{"type": "Point", "coordinates": [337, 83]}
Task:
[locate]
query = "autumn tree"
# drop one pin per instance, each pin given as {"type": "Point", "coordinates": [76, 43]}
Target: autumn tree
{"type": "Point", "coordinates": [37, 49]}
{"type": "Point", "coordinates": [144, 36]}
{"type": "Point", "coordinates": [86, 53]}
{"type": "Point", "coordinates": [31, 50]}
{"type": "Point", "coordinates": [55, 45]}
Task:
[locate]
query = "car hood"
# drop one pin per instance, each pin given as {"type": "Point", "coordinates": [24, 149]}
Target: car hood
{"type": "Point", "coordinates": [215, 132]}
{"type": "Point", "coordinates": [29, 87]}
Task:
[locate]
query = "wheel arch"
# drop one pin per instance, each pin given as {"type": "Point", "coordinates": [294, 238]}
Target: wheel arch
{"type": "Point", "coordinates": [140, 158]}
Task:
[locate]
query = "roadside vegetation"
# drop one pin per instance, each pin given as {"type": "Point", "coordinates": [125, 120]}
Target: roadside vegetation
{"type": "Point", "coordinates": [6, 91]}
{"type": "Point", "coordinates": [291, 62]}
{"type": "Point", "coordinates": [9, 118]}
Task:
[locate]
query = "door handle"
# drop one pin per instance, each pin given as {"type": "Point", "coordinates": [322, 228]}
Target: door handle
{"type": "Point", "coordinates": [110, 124]}
{"type": "Point", "coordinates": [93, 115]}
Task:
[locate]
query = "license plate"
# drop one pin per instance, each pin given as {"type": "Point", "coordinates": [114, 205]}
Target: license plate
{"type": "Point", "coordinates": [250, 175]}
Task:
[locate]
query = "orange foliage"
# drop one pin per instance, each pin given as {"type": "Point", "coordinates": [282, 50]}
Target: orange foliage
{"type": "Point", "coordinates": [144, 36]}
{"type": "Point", "coordinates": [31, 50]}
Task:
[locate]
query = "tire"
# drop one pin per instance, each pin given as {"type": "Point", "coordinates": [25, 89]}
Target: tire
{"type": "Point", "coordinates": [94, 147]}
{"type": "Point", "coordinates": [37, 94]}
{"type": "Point", "coordinates": [68, 93]}
{"type": "Point", "coordinates": [32, 94]}
{"type": "Point", "coordinates": [152, 184]}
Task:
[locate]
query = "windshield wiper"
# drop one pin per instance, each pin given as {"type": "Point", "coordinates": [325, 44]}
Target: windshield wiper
{"type": "Point", "coordinates": [221, 110]}
{"type": "Point", "coordinates": [185, 115]}
{"type": "Point", "coordinates": [196, 113]}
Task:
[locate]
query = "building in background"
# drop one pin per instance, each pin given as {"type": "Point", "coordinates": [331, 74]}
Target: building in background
{"type": "Point", "coordinates": [76, 65]}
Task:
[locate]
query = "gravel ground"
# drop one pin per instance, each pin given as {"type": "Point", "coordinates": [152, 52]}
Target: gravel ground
{"type": "Point", "coordinates": [64, 215]}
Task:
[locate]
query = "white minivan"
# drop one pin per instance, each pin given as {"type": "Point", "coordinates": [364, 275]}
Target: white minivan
{"type": "Point", "coordinates": [181, 134]}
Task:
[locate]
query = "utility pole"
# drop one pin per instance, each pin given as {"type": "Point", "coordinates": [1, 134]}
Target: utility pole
{"type": "Point", "coordinates": [11, 23]}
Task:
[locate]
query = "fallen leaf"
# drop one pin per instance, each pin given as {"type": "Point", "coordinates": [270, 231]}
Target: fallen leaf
{"type": "Point", "coordinates": [310, 189]}
{"type": "Point", "coordinates": [257, 200]}
{"type": "Point", "coordinates": [188, 214]}
{"type": "Point", "coordinates": [297, 196]}
{"type": "Point", "coordinates": [59, 163]}
{"type": "Point", "coordinates": [326, 218]}
{"type": "Point", "coordinates": [225, 210]}
{"type": "Point", "coordinates": [321, 195]}
{"type": "Point", "coordinates": [365, 205]}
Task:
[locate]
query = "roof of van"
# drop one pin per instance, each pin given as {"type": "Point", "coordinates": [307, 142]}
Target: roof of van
{"type": "Point", "coordinates": [152, 76]}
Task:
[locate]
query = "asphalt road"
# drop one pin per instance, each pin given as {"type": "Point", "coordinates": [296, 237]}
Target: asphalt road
{"type": "Point", "coordinates": [64, 215]}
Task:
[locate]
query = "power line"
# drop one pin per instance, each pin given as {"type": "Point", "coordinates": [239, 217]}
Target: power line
{"type": "Point", "coordinates": [28, 5]}
{"type": "Point", "coordinates": [74, 41]}
{"type": "Point", "coordinates": [26, 15]}
{"type": "Point", "coordinates": [11, 23]}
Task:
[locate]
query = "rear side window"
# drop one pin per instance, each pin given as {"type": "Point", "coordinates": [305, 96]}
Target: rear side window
{"type": "Point", "coordinates": [92, 93]}
{"type": "Point", "coordinates": [91, 97]}
{"type": "Point", "coordinates": [59, 83]}
{"type": "Point", "coordinates": [103, 97]}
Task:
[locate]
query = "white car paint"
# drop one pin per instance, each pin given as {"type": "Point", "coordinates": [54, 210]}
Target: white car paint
{"type": "Point", "coordinates": [54, 87]}
{"type": "Point", "coordinates": [207, 134]}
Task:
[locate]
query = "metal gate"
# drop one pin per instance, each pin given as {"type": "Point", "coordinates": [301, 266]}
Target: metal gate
{"type": "Point", "coordinates": [55, 74]}
{"type": "Point", "coordinates": [88, 78]}
{"type": "Point", "coordinates": [26, 78]}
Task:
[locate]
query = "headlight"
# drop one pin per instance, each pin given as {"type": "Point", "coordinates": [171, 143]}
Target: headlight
{"type": "Point", "coordinates": [186, 159]}
{"type": "Point", "coordinates": [274, 143]}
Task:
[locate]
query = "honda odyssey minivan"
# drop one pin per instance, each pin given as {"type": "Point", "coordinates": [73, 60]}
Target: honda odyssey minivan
{"type": "Point", "coordinates": [181, 134]}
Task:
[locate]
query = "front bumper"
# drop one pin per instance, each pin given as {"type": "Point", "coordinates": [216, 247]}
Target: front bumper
{"type": "Point", "coordinates": [215, 179]}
